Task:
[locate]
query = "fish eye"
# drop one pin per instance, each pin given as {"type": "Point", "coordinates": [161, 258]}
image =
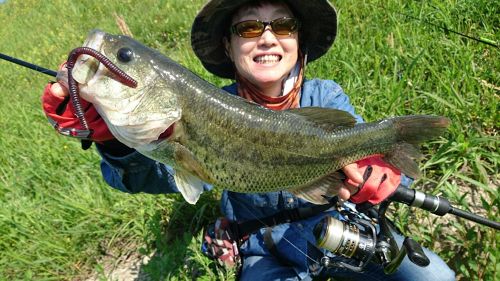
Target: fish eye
{"type": "Point", "coordinates": [125, 54]}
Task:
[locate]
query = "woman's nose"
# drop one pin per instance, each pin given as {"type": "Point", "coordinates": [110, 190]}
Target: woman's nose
{"type": "Point", "coordinates": [268, 37]}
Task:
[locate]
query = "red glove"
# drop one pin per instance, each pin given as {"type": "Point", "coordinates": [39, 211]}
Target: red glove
{"type": "Point", "coordinates": [380, 180]}
{"type": "Point", "coordinates": [55, 108]}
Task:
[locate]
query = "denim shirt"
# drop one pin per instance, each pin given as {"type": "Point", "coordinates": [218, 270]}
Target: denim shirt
{"type": "Point", "coordinates": [135, 173]}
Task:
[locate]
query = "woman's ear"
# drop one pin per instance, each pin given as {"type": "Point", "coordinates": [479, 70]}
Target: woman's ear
{"type": "Point", "coordinates": [227, 48]}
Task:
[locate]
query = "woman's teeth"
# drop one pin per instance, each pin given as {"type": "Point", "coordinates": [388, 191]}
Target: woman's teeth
{"type": "Point", "coordinates": [267, 59]}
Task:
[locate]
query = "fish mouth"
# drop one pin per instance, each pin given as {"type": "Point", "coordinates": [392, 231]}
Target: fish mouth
{"type": "Point", "coordinates": [87, 66]}
{"type": "Point", "coordinates": [115, 103]}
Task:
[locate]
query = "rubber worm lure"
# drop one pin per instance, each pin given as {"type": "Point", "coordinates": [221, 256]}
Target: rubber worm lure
{"type": "Point", "coordinates": [72, 84]}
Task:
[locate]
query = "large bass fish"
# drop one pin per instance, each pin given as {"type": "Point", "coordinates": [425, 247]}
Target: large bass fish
{"type": "Point", "coordinates": [226, 141]}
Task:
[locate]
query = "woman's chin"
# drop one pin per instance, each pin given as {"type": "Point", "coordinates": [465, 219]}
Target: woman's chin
{"type": "Point", "coordinates": [267, 77]}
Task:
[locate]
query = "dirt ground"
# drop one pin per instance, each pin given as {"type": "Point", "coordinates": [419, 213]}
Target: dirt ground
{"type": "Point", "coordinates": [125, 268]}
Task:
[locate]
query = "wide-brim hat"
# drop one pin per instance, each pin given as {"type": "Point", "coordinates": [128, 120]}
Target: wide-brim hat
{"type": "Point", "coordinates": [318, 30]}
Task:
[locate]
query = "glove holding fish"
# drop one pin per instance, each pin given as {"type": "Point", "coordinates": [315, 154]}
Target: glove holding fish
{"type": "Point", "coordinates": [217, 138]}
{"type": "Point", "coordinates": [57, 107]}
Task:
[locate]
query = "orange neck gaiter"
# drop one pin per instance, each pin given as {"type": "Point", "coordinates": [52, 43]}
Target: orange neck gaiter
{"type": "Point", "coordinates": [290, 100]}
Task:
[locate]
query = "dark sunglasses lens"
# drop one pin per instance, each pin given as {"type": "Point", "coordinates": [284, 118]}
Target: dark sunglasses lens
{"type": "Point", "coordinates": [284, 26]}
{"type": "Point", "coordinates": [249, 29]}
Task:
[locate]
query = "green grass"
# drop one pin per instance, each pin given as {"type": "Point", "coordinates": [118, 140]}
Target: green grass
{"type": "Point", "coordinates": [59, 220]}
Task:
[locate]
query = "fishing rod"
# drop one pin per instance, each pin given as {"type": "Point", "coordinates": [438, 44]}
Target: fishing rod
{"type": "Point", "coordinates": [437, 205]}
{"type": "Point", "coordinates": [29, 65]}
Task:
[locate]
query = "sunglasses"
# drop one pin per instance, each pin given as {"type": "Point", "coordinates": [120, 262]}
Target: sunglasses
{"type": "Point", "coordinates": [254, 28]}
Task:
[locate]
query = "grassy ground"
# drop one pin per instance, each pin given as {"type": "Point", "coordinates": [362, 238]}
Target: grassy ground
{"type": "Point", "coordinates": [59, 220]}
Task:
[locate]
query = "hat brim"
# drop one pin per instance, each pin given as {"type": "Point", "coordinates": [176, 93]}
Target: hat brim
{"type": "Point", "coordinates": [318, 31]}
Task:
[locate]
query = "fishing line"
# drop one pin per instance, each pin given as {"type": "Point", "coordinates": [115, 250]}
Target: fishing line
{"type": "Point", "coordinates": [443, 27]}
{"type": "Point", "coordinates": [480, 40]}
{"type": "Point", "coordinates": [283, 237]}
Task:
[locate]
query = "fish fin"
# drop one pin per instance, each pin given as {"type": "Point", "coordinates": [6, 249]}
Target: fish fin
{"type": "Point", "coordinates": [326, 118]}
{"type": "Point", "coordinates": [319, 190]}
{"type": "Point", "coordinates": [410, 131]}
{"type": "Point", "coordinates": [190, 177]}
{"type": "Point", "coordinates": [190, 186]}
{"type": "Point", "coordinates": [415, 129]}
{"type": "Point", "coordinates": [404, 156]}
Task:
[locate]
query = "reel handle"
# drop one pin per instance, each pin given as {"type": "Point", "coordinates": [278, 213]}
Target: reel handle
{"type": "Point", "coordinates": [415, 252]}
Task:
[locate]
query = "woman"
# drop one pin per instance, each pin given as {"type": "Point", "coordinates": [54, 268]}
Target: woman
{"type": "Point", "coordinates": [265, 46]}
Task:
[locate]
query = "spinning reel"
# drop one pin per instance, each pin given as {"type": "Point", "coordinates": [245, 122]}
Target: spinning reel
{"type": "Point", "coordinates": [357, 238]}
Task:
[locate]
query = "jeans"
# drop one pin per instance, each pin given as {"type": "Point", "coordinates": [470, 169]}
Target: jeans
{"type": "Point", "coordinates": [267, 267]}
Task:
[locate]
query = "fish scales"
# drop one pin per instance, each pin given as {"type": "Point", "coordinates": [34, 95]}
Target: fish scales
{"type": "Point", "coordinates": [226, 138]}
{"type": "Point", "coordinates": [229, 142]}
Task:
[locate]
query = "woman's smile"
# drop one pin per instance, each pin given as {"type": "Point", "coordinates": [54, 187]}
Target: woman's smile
{"type": "Point", "coordinates": [267, 59]}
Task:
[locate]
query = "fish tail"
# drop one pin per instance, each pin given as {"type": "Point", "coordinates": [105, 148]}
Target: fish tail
{"type": "Point", "coordinates": [411, 131]}
{"type": "Point", "coordinates": [403, 154]}
{"type": "Point", "coordinates": [415, 129]}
